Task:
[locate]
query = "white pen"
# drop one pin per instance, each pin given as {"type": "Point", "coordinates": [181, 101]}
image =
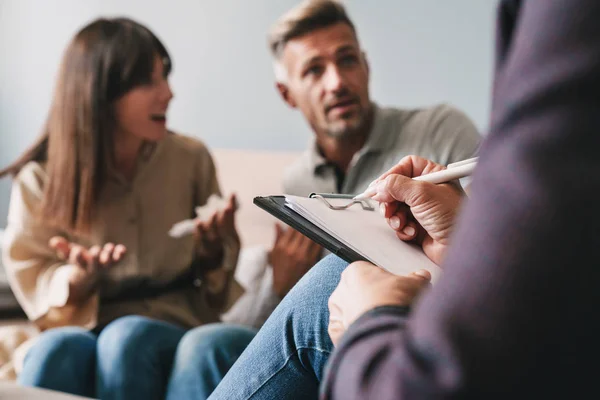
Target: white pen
{"type": "Point", "coordinates": [467, 161]}
{"type": "Point", "coordinates": [456, 170]}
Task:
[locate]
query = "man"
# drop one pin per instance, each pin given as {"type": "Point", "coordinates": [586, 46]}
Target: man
{"type": "Point", "coordinates": [321, 70]}
{"type": "Point", "coordinates": [515, 313]}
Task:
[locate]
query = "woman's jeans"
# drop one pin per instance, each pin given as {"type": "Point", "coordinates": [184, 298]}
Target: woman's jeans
{"type": "Point", "coordinates": [135, 358]}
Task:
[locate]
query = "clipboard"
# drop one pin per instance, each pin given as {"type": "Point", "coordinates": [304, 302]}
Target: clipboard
{"type": "Point", "coordinates": [275, 205]}
{"type": "Point", "coordinates": [355, 233]}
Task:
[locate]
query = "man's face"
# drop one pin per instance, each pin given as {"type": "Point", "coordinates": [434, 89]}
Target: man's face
{"type": "Point", "coordinates": [328, 80]}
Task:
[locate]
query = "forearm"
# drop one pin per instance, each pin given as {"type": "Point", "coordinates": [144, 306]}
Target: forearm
{"type": "Point", "coordinates": [366, 361]}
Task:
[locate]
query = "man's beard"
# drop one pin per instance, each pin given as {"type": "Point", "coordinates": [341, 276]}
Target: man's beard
{"type": "Point", "coordinates": [344, 129]}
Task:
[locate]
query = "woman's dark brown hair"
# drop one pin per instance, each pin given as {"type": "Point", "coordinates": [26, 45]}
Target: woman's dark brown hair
{"type": "Point", "coordinates": [105, 60]}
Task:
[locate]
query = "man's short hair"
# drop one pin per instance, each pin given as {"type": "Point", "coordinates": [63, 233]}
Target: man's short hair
{"type": "Point", "coordinates": [308, 16]}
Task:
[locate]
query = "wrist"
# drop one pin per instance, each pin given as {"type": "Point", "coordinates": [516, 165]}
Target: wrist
{"type": "Point", "coordinates": [279, 289]}
{"type": "Point", "coordinates": [81, 291]}
{"type": "Point", "coordinates": [280, 293]}
{"type": "Point", "coordinates": [389, 309]}
{"type": "Point", "coordinates": [208, 262]}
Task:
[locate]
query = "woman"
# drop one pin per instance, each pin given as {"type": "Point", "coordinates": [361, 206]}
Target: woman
{"type": "Point", "coordinates": [86, 248]}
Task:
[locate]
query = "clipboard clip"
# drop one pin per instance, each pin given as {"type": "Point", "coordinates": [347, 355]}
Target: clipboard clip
{"type": "Point", "coordinates": [365, 204]}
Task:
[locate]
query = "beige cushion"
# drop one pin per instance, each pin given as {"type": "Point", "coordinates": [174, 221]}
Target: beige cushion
{"type": "Point", "coordinates": [251, 173]}
{"type": "Point", "coordinates": [10, 390]}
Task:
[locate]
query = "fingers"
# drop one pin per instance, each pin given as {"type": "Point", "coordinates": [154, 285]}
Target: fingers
{"type": "Point", "coordinates": [61, 246]}
{"type": "Point", "coordinates": [310, 252]}
{"type": "Point", "coordinates": [314, 252]}
{"type": "Point", "coordinates": [411, 166]}
{"type": "Point", "coordinates": [225, 218]}
{"type": "Point", "coordinates": [409, 231]}
{"type": "Point", "coordinates": [232, 204]}
{"type": "Point", "coordinates": [226, 214]}
{"type": "Point", "coordinates": [278, 232]}
{"type": "Point", "coordinates": [397, 215]}
{"type": "Point", "coordinates": [207, 231]}
{"type": "Point", "coordinates": [400, 219]}
{"type": "Point", "coordinates": [119, 253]}
{"type": "Point", "coordinates": [88, 259]}
{"type": "Point", "coordinates": [387, 188]}
{"type": "Point", "coordinates": [93, 258]}
{"type": "Point", "coordinates": [223, 222]}
{"type": "Point", "coordinates": [212, 228]}
{"type": "Point", "coordinates": [399, 188]}
{"type": "Point", "coordinates": [106, 254]}
{"type": "Point", "coordinates": [305, 247]}
{"type": "Point", "coordinates": [110, 254]}
{"type": "Point", "coordinates": [287, 237]}
{"type": "Point", "coordinates": [78, 255]}
{"type": "Point", "coordinates": [298, 241]}
{"type": "Point", "coordinates": [388, 209]}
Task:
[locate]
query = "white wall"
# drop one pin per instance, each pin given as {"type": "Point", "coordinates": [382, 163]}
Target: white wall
{"type": "Point", "coordinates": [421, 52]}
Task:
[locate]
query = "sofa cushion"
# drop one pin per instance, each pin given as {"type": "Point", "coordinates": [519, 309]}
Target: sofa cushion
{"type": "Point", "coordinates": [9, 307]}
{"type": "Point", "coordinates": [251, 173]}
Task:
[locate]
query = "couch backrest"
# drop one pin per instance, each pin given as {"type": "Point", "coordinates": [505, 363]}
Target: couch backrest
{"type": "Point", "coordinates": [251, 173]}
{"type": "Point", "coordinates": [248, 173]}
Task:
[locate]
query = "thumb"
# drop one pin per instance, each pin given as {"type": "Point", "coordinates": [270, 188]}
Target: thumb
{"type": "Point", "coordinates": [233, 203]}
{"type": "Point", "coordinates": [422, 274]}
{"type": "Point", "coordinates": [400, 188]}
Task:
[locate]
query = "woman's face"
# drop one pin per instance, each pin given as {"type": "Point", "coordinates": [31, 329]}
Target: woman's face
{"type": "Point", "coordinates": [142, 112]}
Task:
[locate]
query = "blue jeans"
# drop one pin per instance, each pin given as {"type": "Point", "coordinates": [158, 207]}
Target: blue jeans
{"type": "Point", "coordinates": [287, 357]}
{"type": "Point", "coordinates": [135, 358]}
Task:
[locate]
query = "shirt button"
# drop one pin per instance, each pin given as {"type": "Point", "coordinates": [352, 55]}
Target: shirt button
{"type": "Point", "coordinates": [132, 220]}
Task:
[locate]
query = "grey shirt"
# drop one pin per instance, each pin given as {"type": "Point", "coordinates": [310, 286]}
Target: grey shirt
{"type": "Point", "coordinates": [441, 133]}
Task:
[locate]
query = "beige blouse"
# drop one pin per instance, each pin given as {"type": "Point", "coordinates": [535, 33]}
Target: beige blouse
{"type": "Point", "coordinates": [172, 178]}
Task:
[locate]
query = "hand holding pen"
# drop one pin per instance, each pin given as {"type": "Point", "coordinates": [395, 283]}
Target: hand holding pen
{"type": "Point", "coordinates": [418, 205]}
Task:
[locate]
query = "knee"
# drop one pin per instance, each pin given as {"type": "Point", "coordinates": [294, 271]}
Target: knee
{"type": "Point", "coordinates": [326, 273]}
{"type": "Point", "coordinates": [304, 309]}
{"type": "Point", "coordinates": [67, 351]}
{"type": "Point", "coordinates": [69, 343]}
{"type": "Point", "coordinates": [123, 337]}
{"type": "Point", "coordinates": [135, 339]}
{"type": "Point", "coordinates": [210, 342]}
{"type": "Point", "coordinates": [215, 337]}
{"type": "Point", "coordinates": [319, 282]}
